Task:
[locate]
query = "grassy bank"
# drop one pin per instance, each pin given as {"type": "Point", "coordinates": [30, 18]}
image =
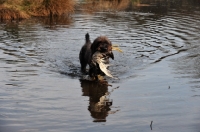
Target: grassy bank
{"type": "Point", "coordinates": [20, 9]}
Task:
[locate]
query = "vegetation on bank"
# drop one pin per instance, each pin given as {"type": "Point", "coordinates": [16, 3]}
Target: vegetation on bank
{"type": "Point", "coordinates": [20, 9]}
{"type": "Point", "coordinates": [105, 5]}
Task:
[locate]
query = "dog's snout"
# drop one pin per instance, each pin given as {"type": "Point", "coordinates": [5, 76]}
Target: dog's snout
{"type": "Point", "coordinates": [105, 48]}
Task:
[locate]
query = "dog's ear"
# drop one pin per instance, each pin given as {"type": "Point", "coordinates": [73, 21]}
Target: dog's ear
{"type": "Point", "coordinates": [94, 46]}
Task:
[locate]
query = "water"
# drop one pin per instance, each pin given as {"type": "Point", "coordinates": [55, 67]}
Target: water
{"type": "Point", "coordinates": [158, 70]}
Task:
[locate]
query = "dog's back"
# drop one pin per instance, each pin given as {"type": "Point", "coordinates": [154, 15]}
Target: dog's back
{"type": "Point", "coordinates": [85, 53]}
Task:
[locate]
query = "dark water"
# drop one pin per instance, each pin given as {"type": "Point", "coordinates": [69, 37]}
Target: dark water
{"type": "Point", "coordinates": [159, 71]}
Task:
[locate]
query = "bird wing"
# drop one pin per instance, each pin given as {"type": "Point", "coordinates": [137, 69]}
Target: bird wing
{"type": "Point", "coordinates": [99, 58]}
{"type": "Point", "coordinates": [104, 69]}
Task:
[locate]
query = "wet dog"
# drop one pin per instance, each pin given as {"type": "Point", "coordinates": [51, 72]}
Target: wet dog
{"type": "Point", "coordinates": [101, 44]}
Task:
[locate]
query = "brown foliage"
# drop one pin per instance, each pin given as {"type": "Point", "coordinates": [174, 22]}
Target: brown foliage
{"type": "Point", "coordinates": [11, 14]}
{"type": "Point", "coordinates": [18, 9]}
{"type": "Point", "coordinates": [50, 7]}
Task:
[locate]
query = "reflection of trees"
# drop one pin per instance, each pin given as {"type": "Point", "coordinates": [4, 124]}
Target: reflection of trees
{"type": "Point", "coordinates": [12, 30]}
{"type": "Point", "coordinates": [99, 103]}
{"type": "Point", "coordinates": [56, 20]}
{"type": "Point", "coordinates": [13, 40]}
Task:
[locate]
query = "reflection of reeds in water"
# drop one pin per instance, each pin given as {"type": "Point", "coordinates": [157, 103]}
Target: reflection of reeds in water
{"type": "Point", "coordinates": [58, 20]}
{"type": "Point", "coordinates": [17, 9]}
{"type": "Point", "coordinates": [105, 5]}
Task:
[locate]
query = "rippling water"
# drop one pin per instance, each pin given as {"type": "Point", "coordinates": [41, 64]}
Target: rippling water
{"type": "Point", "coordinates": [158, 70]}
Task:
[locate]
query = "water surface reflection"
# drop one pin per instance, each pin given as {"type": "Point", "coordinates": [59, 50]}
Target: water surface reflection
{"type": "Point", "coordinates": [99, 100]}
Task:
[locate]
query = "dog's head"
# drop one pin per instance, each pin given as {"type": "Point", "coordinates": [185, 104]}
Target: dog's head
{"type": "Point", "coordinates": [103, 45]}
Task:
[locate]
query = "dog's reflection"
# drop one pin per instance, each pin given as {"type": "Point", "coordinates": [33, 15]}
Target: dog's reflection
{"type": "Point", "coordinates": [99, 102]}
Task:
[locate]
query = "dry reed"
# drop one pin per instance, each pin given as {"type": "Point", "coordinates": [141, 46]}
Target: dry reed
{"type": "Point", "coordinates": [19, 9]}
{"type": "Point", "coordinates": [11, 14]}
{"type": "Point", "coordinates": [51, 7]}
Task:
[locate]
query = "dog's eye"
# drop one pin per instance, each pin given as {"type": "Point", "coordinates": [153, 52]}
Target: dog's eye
{"type": "Point", "coordinates": [103, 49]}
{"type": "Point", "coordinates": [99, 42]}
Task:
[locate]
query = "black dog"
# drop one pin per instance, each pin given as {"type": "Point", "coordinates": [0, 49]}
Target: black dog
{"type": "Point", "coordinates": [101, 44]}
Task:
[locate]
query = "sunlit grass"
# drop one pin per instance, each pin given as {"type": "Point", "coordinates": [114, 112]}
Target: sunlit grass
{"type": "Point", "coordinates": [11, 11]}
{"type": "Point", "coordinates": [19, 9]}
{"type": "Point", "coordinates": [49, 7]}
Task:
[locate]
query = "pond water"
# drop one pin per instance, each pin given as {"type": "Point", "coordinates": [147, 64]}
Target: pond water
{"type": "Point", "coordinates": [159, 71]}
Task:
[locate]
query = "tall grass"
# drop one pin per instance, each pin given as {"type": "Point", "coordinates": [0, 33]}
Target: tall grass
{"type": "Point", "coordinates": [17, 9]}
{"type": "Point", "coordinates": [10, 9]}
{"type": "Point", "coordinates": [49, 7]}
